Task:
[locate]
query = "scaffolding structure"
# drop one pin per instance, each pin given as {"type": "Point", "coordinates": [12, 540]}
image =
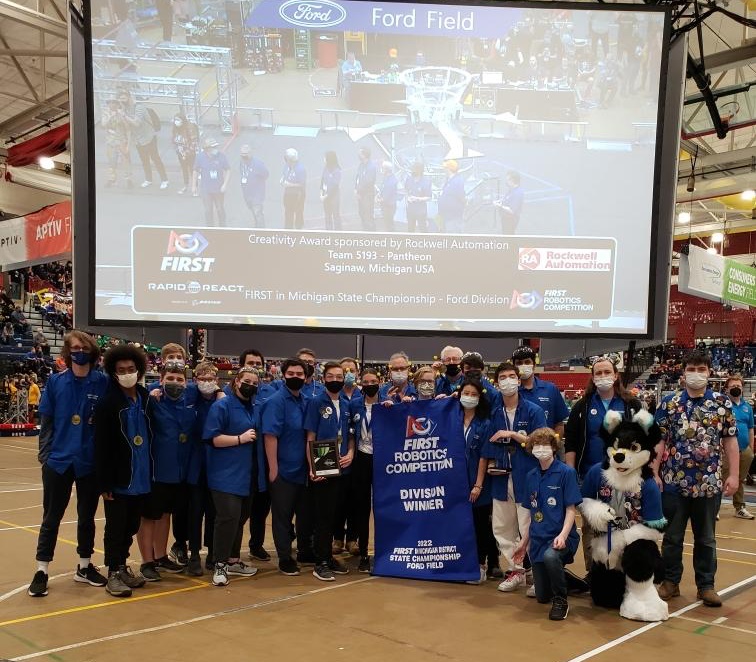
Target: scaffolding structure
{"type": "Point", "coordinates": [215, 56]}
{"type": "Point", "coordinates": [18, 407]}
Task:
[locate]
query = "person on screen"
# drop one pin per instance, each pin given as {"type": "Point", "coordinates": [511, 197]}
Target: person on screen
{"type": "Point", "coordinates": [330, 195]}
{"type": "Point", "coordinates": [608, 80]}
{"type": "Point", "coordinates": [452, 200]}
{"type": "Point", "coordinates": [387, 195]}
{"type": "Point", "coordinates": [351, 69]}
{"type": "Point", "coordinates": [144, 136]}
{"type": "Point", "coordinates": [294, 181]}
{"type": "Point", "coordinates": [253, 175]}
{"type": "Point", "coordinates": [509, 206]}
{"type": "Point", "coordinates": [364, 188]}
{"type": "Point", "coordinates": [327, 417]}
{"type": "Point", "coordinates": [211, 175]}
{"type": "Point", "coordinates": [418, 189]}
{"type": "Point", "coordinates": [117, 143]}
{"type": "Point", "coordinates": [231, 432]}
{"type": "Point", "coordinates": [186, 143]}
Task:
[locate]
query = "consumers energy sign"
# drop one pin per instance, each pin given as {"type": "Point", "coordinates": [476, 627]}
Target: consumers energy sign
{"type": "Point", "coordinates": [717, 278]}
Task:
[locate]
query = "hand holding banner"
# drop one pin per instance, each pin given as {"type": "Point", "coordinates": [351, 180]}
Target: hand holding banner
{"type": "Point", "coordinates": [423, 518]}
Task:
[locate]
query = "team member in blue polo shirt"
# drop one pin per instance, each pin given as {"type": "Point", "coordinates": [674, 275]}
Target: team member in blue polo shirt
{"type": "Point", "coordinates": [294, 182]}
{"type": "Point", "coordinates": [174, 426]}
{"type": "Point", "coordinates": [285, 448]}
{"type": "Point", "coordinates": [474, 368]}
{"type": "Point", "coordinates": [419, 192]}
{"type": "Point", "coordinates": [539, 391]}
{"type": "Point", "coordinates": [476, 427]}
{"type": "Point", "coordinates": [743, 413]}
{"type": "Point", "coordinates": [510, 517]}
{"type": "Point", "coordinates": [231, 432]}
{"type": "Point", "coordinates": [446, 384]}
{"type": "Point", "coordinates": [388, 195]}
{"type": "Point", "coordinates": [123, 440]}
{"type": "Point", "coordinates": [327, 417]}
{"type": "Point", "coordinates": [66, 451]}
{"type": "Point", "coordinates": [253, 176]}
{"type": "Point", "coordinates": [552, 539]}
{"type": "Point", "coordinates": [398, 385]}
{"type": "Point", "coordinates": [211, 174]}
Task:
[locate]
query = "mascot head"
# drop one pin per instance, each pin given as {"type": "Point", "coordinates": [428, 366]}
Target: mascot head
{"type": "Point", "coordinates": [630, 444]}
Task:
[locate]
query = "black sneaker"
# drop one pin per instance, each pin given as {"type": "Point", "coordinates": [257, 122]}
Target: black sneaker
{"type": "Point", "coordinates": [129, 578]}
{"type": "Point", "coordinates": [89, 575]}
{"type": "Point", "coordinates": [288, 567]}
{"type": "Point", "coordinates": [194, 567]}
{"type": "Point", "coordinates": [38, 586]}
{"type": "Point", "coordinates": [178, 554]}
{"type": "Point", "coordinates": [559, 609]}
{"type": "Point", "coordinates": [149, 572]}
{"type": "Point", "coordinates": [337, 567]}
{"type": "Point", "coordinates": [323, 573]}
{"type": "Point", "coordinates": [306, 558]}
{"type": "Point", "coordinates": [364, 565]}
{"type": "Point", "coordinates": [169, 566]}
{"type": "Point", "coordinates": [259, 554]}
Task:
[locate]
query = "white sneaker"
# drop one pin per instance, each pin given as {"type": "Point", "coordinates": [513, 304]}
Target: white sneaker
{"type": "Point", "coordinates": [513, 581]}
{"type": "Point", "coordinates": [163, 185]}
{"type": "Point", "coordinates": [220, 576]}
{"type": "Point", "coordinates": [241, 569]}
{"type": "Point", "coordinates": [531, 591]}
{"type": "Point", "coordinates": [146, 183]}
{"type": "Point", "coordinates": [744, 513]}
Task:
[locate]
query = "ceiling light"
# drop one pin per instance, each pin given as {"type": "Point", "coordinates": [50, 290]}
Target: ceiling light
{"type": "Point", "coordinates": [717, 237]}
{"type": "Point", "coordinates": [683, 217]}
{"type": "Point", "coordinates": [748, 195]}
{"type": "Point", "coordinates": [46, 163]}
{"type": "Point", "coordinates": [711, 250]}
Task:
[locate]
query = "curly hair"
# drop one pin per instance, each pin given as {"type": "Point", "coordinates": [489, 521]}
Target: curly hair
{"type": "Point", "coordinates": [125, 353]}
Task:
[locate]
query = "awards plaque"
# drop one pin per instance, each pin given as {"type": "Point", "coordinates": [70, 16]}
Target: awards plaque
{"type": "Point", "coordinates": [498, 467]}
{"type": "Point", "coordinates": [325, 457]}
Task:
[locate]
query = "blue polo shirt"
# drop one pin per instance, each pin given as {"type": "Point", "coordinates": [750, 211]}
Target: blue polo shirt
{"type": "Point", "coordinates": [212, 171]}
{"type": "Point", "coordinates": [476, 436]}
{"type": "Point", "coordinates": [596, 410]}
{"type": "Point", "coordinates": [409, 390]}
{"type": "Point", "coordinates": [229, 469]}
{"type": "Point", "coordinates": [174, 433]}
{"type": "Point", "coordinates": [743, 414]}
{"type": "Point", "coordinates": [69, 401]}
{"type": "Point", "coordinates": [550, 493]}
{"type": "Point", "coordinates": [283, 417]}
{"type": "Point", "coordinates": [527, 417]}
{"type": "Point", "coordinates": [136, 428]}
{"type": "Point", "coordinates": [322, 418]}
{"type": "Point", "coordinates": [197, 462]}
{"type": "Point", "coordinates": [445, 385]}
{"type": "Point", "coordinates": [253, 176]}
{"type": "Point", "coordinates": [547, 397]}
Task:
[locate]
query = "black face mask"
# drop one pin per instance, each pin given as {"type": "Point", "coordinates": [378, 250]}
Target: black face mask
{"type": "Point", "coordinates": [473, 374]}
{"type": "Point", "coordinates": [736, 392]}
{"type": "Point", "coordinates": [294, 383]}
{"type": "Point", "coordinates": [247, 391]}
{"type": "Point", "coordinates": [452, 370]}
{"type": "Point", "coordinates": [309, 370]}
{"type": "Point", "coordinates": [371, 390]}
{"type": "Point", "coordinates": [334, 387]}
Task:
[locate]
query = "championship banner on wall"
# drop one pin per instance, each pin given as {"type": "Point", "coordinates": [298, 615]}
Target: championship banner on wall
{"type": "Point", "coordinates": [423, 518]}
{"type": "Point", "coordinates": [36, 238]}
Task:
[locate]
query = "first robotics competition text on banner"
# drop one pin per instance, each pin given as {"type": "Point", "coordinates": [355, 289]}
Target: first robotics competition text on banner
{"type": "Point", "coordinates": [423, 516]}
{"type": "Point", "coordinates": [276, 273]}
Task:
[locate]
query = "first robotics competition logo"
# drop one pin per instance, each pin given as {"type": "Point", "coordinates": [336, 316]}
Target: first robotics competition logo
{"type": "Point", "coordinates": [184, 253]}
{"type": "Point", "coordinates": [420, 426]}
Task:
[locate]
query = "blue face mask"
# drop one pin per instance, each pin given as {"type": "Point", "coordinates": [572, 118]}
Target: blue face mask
{"type": "Point", "coordinates": [80, 357]}
{"type": "Point", "coordinates": [349, 379]}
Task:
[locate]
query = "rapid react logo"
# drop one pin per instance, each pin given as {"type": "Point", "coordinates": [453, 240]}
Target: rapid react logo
{"type": "Point", "coordinates": [183, 253]}
{"type": "Point", "coordinates": [420, 426]}
{"type": "Point", "coordinates": [322, 14]}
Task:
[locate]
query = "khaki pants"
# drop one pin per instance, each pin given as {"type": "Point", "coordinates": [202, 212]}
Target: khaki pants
{"type": "Point", "coordinates": [509, 520]}
{"type": "Point", "coordinates": [746, 457]}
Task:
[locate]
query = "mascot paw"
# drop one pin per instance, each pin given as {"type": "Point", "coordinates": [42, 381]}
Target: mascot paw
{"type": "Point", "coordinates": [642, 603]}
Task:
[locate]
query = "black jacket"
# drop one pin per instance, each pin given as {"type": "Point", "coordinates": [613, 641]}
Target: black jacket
{"type": "Point", "coordinates": [112, 447]}
{"type": "Point", "coordinates": [576, 428]}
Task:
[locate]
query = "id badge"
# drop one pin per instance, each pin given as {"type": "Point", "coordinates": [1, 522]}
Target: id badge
{"type": "Point", "coordinates": [244, 180]}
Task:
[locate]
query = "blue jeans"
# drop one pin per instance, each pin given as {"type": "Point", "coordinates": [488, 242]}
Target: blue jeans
{"type": "Point", "coordinates": [702, 513]}
{"type": "Point", "coordinates": [548, 575]}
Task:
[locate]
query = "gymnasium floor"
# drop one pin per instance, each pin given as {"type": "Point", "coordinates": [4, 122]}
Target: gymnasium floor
{"type": "Point", "coordinates": [275, 617]}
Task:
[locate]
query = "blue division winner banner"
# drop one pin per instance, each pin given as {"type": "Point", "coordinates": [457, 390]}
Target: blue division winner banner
{"type": "Point", "coordinates": [423, 519]}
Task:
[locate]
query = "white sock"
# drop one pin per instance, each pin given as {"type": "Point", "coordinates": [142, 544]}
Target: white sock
{"type": "Point", "coordinates": [43, 566]}
{"type": "Point", "coordinates": [84, 563]}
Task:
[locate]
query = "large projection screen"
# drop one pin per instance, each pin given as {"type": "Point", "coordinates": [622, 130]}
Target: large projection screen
{"type": "Point", "coordinates": [413, 167]}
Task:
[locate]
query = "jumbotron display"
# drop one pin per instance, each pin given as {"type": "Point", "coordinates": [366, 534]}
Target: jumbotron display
{"type": "Point", "coordinates": [377, 165]}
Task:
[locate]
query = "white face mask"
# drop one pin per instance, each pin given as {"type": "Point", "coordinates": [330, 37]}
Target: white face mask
{"type": "Point", "coordinates": [604, 383]}
{"type": "Point", "coordinates": [696, 380]}
{"type": "Point", "coordinates": [526, 371]}
{"type": "Point", "coordinates": [207, 388]}
{"type": "Point", "coordinates": [542, 452]}
{"type": "Point", "coordinates": [508, 386]}
{"type": "Point", "coordinates": [128, 381]}
{"type": "Point", "coordinates": [399, 377]}
{"type": "Point", "coordinates": [469, 401]}
{"type": "Point", "coordinates": [428, 390]}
